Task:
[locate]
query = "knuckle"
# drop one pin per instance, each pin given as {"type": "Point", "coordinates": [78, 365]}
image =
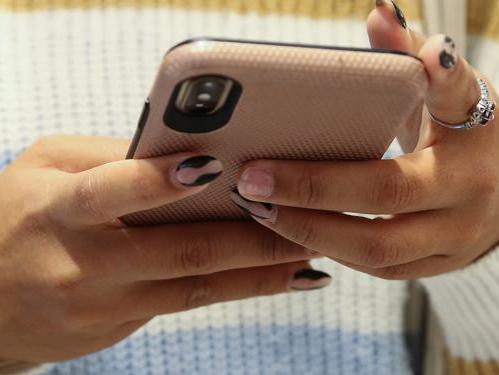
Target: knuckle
{"type": "Point", "coordinates": [273, 248]}
{"type": "Point", "coordinates": [68, 282]}
{"type": "Point", "coordinates": [263, 285]}
{"type": "Point", "coordinates": [305, 232]}
{"type": "Point", "coordinates": [44, 142]}
{"type": "Point", "coordinates": [66, 287]}
{"type": "Point", "coordinates": [487, 183]}
{"type": "Point", "coordinates": [58, 302]}
{"type": "Point", "coordinates": [45, 148]}
{"type": "Point", "coordinates": [381, 251]}
{"type": "Point", "coordinates": [34, 223]}
{"type": "Point", "coordinates": [40, 151]}
{"type": "Point", "coordinates": [399, 272]}
{"type": "Point", "coordinates": [35, 206]}
{"type": "Point", "coordinates": [199, 293]}
{"type": "Point", "coordinates": [86, 195]}
{"type": "Point", "coordinates": [470, 234]}
{"type": "Point", "coordinates": [73, 320]}
{"type": "Point", "coordinates": [198, 255]}
{"type": "Point", "coordinates": [395, 193]}
{"type": "Point", "coordinates": [142, 188]}
{"type": "Point", "coordinates": [310, 189]}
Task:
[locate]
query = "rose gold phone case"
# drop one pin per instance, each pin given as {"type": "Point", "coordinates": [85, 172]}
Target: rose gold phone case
{"type": "Point", "coordinates": [298, 102]}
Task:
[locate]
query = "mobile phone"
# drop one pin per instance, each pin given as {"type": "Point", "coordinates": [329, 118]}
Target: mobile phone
{"type": "Point", "coordinates": [244, 100]}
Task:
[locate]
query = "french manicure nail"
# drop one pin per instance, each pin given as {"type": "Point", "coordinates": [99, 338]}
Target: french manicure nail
{"type": "Point", "coordinates": [448, 55]}
{"type": "Point", "coordinates": [256, 182]}
{"type": "Point", "coordinates": [310, 279]}
{"type": "Point", "coordinates": [400, 15]}
{"type": "Point", "coordinates": [198, 171]}
{"type": "Point", "coordinates": [258, 210]}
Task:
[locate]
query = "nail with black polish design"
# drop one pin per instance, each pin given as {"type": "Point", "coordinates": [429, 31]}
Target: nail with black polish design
{"type": "Point", "coordinates": [448, 55]}
{"type": "Point", "coordinates": [198, 171]}
{"type": "Point", "coordinates": [258, 210]}
{"type": "Point", "coordinates": [400, 15]}
{"type": "Point", "coordinates": [310, 279]}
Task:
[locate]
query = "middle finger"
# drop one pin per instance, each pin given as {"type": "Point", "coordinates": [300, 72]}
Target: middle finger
{"type": "Point", "coordinates": [173, 251]}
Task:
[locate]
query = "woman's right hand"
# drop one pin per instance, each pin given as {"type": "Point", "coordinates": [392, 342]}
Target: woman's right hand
{"type": "Point", "coordinates": [74, 280]}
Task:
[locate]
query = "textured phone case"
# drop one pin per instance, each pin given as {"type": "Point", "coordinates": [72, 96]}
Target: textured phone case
{"type": "Point", "coordinates": [297, 102]}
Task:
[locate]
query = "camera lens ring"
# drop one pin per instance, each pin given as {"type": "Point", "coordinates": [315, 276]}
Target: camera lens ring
{"type": "Point", "coordinates": [203, 95]}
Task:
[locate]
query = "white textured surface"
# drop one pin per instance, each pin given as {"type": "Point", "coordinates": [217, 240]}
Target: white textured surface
{"type": "Point", "coordinates": [467, 302]}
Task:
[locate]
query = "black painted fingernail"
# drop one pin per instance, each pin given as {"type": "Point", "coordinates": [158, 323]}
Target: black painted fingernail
{"type": "Point", "coordinates": [448, 55]}
{"type": "Point", "coordinates": [400, 15]}
{"type": "Point", "coordinates": [199, 170]}
{"type": "Point", "coordinates": [310, 279]}
{"type": "Point", "coordinates": [258, 210]}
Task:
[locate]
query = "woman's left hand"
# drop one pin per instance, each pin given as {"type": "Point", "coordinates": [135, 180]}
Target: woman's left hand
{"type": "Point", "coordinates": [443, 198]}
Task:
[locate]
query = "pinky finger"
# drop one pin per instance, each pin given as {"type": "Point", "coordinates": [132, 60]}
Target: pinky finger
{"type": "Point", "coordinates": [164, 297]}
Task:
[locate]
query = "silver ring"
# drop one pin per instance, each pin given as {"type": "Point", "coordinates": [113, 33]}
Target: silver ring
{"type": "Point", "coordinates": [481, 115]}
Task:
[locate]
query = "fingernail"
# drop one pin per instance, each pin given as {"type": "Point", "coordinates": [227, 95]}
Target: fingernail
{"type": "Point", "coordinates": [198, 171]}
{"type": "Point", "coordinates": [448, 55]}
{"type": "Point", "coordinates": [310, 279]}
{"type": "Point", "coordinates": [256, 182]}
{"type": "Point", "coordinates": [260, 211]}
{"type": "Point", "coordinates": [400, 15]}
{"type": "Point", "coordinates": [380, 2]}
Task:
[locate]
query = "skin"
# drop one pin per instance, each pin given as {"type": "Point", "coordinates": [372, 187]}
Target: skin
{"type": "Point", "coordinates": [74, 280]}
{"type": "Point", "coordinates": [440, 203]}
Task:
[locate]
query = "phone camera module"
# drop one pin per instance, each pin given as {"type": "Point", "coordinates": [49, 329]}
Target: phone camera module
{"type": "Point", "coordinates": [204, 95]}
{"type": "Point", "coordinates": [202, 104]}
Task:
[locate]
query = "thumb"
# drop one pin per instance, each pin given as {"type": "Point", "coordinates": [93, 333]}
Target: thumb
{"type": "Point", "coordinates": [115, 189]}
{"type": "Point", "coordinates": [387, 29]}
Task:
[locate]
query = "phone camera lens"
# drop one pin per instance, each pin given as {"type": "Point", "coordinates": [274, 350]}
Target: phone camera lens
{"type": "Point", "coordinates": [210, 85]}
{"type": "Point", "coordinates": [204, 95]}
